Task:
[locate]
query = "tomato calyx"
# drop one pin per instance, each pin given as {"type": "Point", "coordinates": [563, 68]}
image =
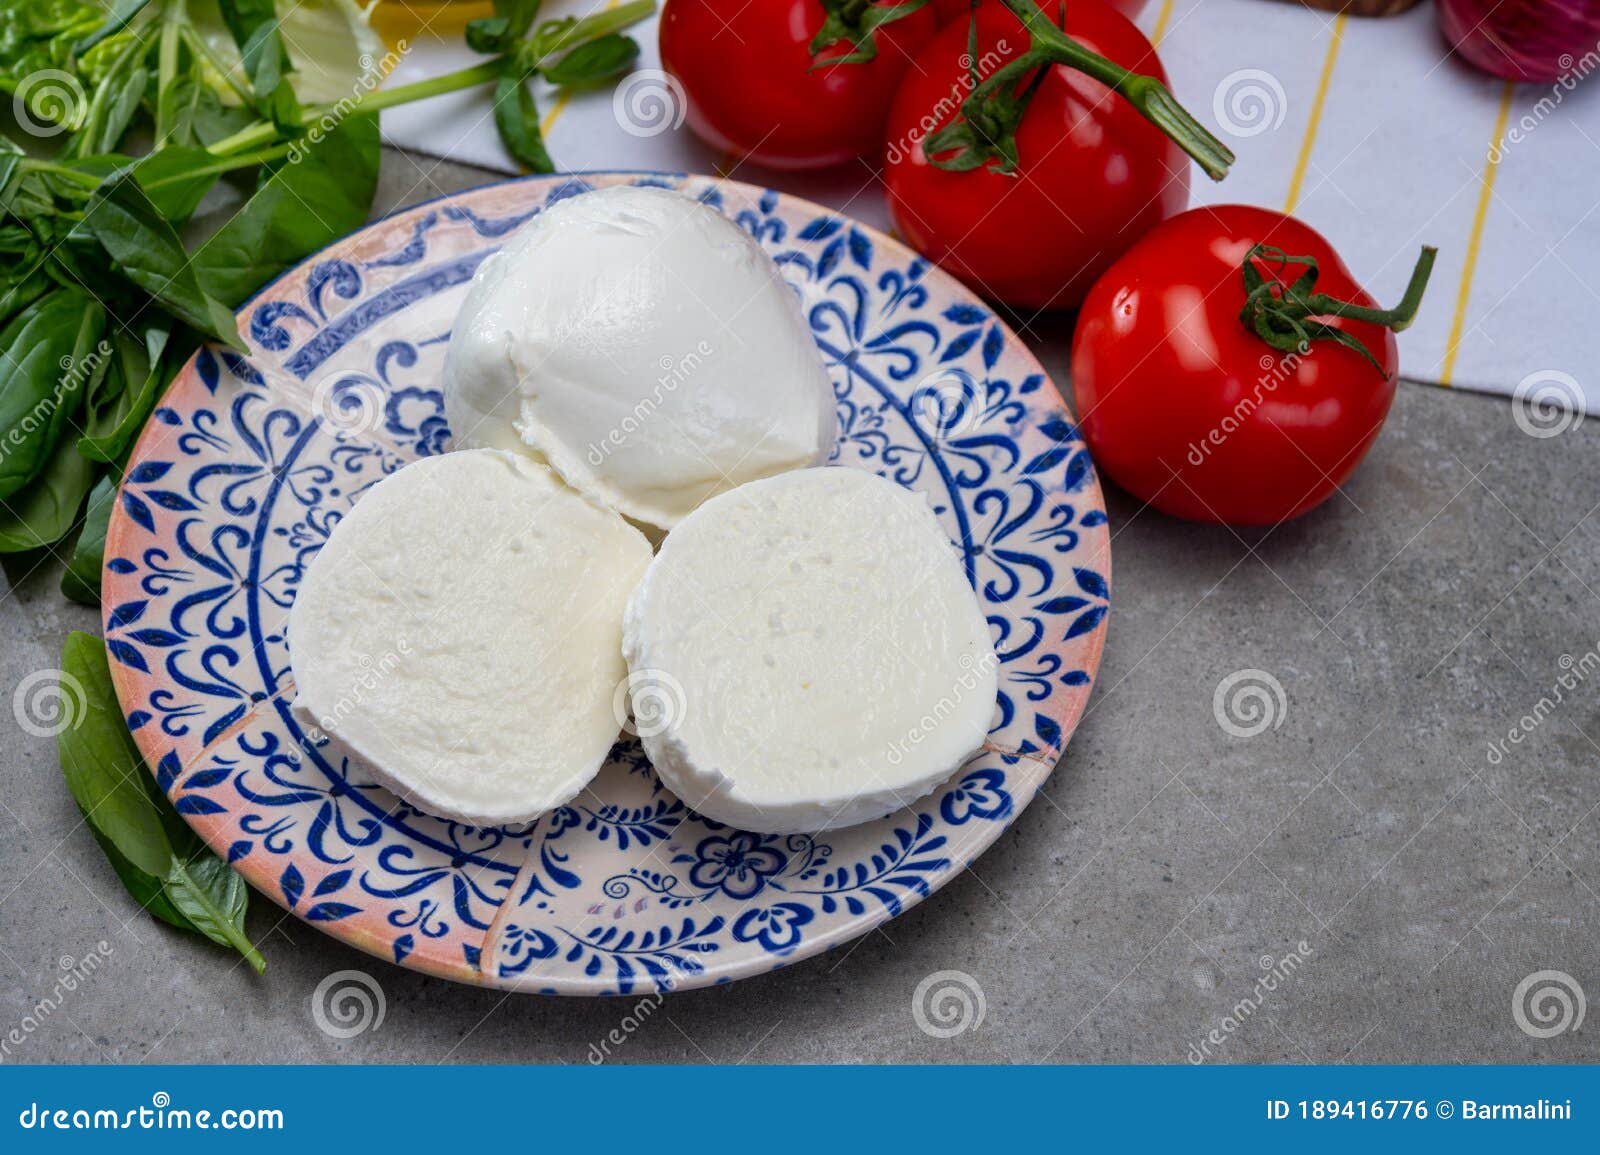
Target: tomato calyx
{"type": "Point", "coordinates": [856, 22]}
{"type": "Point", "coordinates": [1284, 313]}
{"type": "Point", "coordinates": [985, 134]}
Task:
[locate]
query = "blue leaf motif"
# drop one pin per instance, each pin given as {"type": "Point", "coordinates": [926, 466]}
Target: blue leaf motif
{"type": "Point", "coordinates": [861, 249]}
{"type": "Point", "coordinates": [125, 615]}
{"type": "Point", "coordinates": [960, 346]}
{"type": "Point", "coordinates": [993, 344]}
{"type": "Point", "coordinates": [338, 880]}
{"type": "Point", "coordinates": [197, 804]}
{"type": "Point", "coordinates": [293, 884]}
{"type": "Point", "coordinates": [147, 471]}
{"type": "Point", "coordinates": [1091, 582]}
{"type": "Point", "coordinates": [331, 911]}
{"type": "Point", "coordinates": [139, 511]}
{"type": "Point", "coordinates": [819, 230]}
{"type": "Point", "coordinates": [1047, 460]}
{"type": "Point", "coordinates": [1085, 623]}
{"type": "Point", "coordinates": [166, 499]}
{"type": "Point", "coordinates": [127, 655]}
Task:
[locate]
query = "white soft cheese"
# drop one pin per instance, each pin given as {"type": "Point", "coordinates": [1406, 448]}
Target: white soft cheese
{"type": "Point", "coordinates": [461, 635]}
{"type": "Point", "coordinates": [805, 653]}
{"type": "Point", "coordinates": [644, 346]}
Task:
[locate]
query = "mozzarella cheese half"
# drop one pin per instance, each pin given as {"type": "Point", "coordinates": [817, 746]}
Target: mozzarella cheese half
{"type": "Point", "coordinates": [805, 653]}
{"type": "Point", "coordinates": [644, 346]}
{"type": "Point", "coordinates": [461, 634]}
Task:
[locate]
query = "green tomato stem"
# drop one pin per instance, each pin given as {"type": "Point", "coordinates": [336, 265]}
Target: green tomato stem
{"type": "Point", "coordinates": [1285, 313]}
{"type": "Point", "coordinates": [1149, 97]}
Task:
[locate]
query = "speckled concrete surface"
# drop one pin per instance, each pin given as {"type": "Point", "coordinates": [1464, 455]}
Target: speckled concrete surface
{"type": "Point", "coordinates": [1128, 914]}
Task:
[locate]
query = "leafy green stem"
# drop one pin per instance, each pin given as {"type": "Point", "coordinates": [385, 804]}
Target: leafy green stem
{"type": "Point", "coordinates": [265, 131]}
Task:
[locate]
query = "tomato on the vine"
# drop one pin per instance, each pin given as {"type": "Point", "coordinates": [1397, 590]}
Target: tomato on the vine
{"type": "Point", "coordinates": [754, 88]}
{"type": "Point", "coordinates": [1228, 368]}
{"type": "Point", "coordinates": [949, 11]}
{"type": "Point", "coordinates": [1055, 172]}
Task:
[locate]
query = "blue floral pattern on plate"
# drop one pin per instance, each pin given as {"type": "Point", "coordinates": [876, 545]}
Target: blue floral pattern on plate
{"type": "Point", "coordinates": [250, 461]}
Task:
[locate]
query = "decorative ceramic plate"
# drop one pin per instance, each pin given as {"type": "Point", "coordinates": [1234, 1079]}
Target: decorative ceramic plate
{"type": "Point", "coordinates": [250, 461]}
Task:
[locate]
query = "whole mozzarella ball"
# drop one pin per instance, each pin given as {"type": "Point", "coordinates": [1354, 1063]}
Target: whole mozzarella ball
{"type": "Point", "coordinates": [646, 348]}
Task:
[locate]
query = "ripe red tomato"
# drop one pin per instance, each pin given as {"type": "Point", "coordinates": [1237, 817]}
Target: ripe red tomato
{"type": "Point", "coordinates": [1186, 408]}
{"type": "Point", "coordinates": [1092, 177]}
{"type": "Point", "coordinates": [746, 68]}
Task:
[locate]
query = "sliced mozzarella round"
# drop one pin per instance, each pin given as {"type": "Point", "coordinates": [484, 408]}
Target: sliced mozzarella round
{"type": "Point", "coordinates": [805, 653]}
{"type": "Point", "coordinates": [461, 635]}
{"type": "Point", "coordinates": [646, 347]}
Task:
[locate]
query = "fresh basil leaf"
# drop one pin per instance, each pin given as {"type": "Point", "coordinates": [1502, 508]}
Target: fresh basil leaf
{"type": "Point", "coordinates": [197, 116]}
{"type": "Point", "coordinates": [147, 890]}
{"type": "Point", "coordinates": [301, 206]}
{"type": "Point", "coordinates": [120, 108]}
{"type": "Point", "coordinates": [23, 194]}
{"type": "Point", "coordinates": [47, 350]}
{"type": "Point", "coordinates": [43, 511]}
{"type": "Point", "coordinates": [212, 896]}
{"type": "Point", "coordinates": [147, 251]}
{"type": "Point", "coordinates": [254, 27]}
{"type": "Point", "coordinates": [487, 33]}
{"type": "Point", "coordinates": [516, 117]}
{"type": "Point", "coordinates": [80, 581]}
{"type": "Point", "coordinates": [145, 373]}
{"type": "Point", "coordinates": [593, 62]}
{"type": "Point", "coordinates": [102, 765]}
{"type": "Point", "coordinates": [177, 178]}
{"type": "Point", "coordinates": [17, 294]}
{"type": "Point", "coordinates": [510, 23]}
{"type": "Point", "coordinates": [119, 14]}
